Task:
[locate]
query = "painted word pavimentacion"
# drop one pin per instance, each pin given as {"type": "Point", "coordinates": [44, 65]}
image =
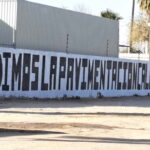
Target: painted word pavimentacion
{"type": "Point", "coordinates": [21, 71]}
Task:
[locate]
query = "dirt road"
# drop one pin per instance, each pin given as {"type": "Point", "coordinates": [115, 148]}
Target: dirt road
{"type": "Point", "coordinates": [87, 124]}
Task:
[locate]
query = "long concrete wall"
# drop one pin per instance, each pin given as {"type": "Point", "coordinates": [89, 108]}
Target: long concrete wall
{"type": "Point", "coordinates": [48, 28]}
{"type": "Point", "coordinates": [44, 74]}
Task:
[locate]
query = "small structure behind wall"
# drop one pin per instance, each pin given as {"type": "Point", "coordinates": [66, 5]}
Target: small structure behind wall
{"type": "Point", "coordinates": [8, 18]}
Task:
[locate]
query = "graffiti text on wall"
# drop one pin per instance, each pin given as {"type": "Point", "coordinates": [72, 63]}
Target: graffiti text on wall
{"type": "Point", "coordinates": [25, 71]}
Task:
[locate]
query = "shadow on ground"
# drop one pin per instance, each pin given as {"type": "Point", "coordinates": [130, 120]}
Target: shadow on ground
{"type": "Point", "coordinates": [15, 132]}
{"type": "Point", "coordinates": [80, 113]}
{"type": "Point", "coordinates": [98, 140]}
{"type": "Point", "coordinates": [74, 103]}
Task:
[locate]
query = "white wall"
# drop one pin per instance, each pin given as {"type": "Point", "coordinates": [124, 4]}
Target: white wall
{"type": "Point", "coordinates": [31, 73]}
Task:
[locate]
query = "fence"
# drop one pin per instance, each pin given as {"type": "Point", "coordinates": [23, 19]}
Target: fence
{"type": "Point", "coordinates": [134, 56]}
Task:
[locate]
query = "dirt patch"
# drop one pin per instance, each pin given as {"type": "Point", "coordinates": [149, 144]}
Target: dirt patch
{"type": "Point", "coordinates": [49, 126]}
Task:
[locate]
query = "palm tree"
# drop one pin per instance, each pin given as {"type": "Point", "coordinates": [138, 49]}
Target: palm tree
{"type": "Point", "coordinates": [110, 15]}
{"type": "Point", "coordinates": [145, 5]}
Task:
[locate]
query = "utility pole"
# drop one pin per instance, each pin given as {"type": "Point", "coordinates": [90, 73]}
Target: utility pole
{"type": "Point", "coordinates": [107, 50]}
{"type": "Point", "coordinates": [132, 21]}
{"type": "Point", "coordinates": [149, 40]}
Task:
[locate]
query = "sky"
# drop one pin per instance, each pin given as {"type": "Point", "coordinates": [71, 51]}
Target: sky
{"type": "Point", "coordinates": [94, 7]}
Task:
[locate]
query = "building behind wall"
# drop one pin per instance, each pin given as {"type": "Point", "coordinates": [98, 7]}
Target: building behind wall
{"type": "Point", "coordinates": [8, 13]}
{"type": "Point", "coordinates": [42, 27]}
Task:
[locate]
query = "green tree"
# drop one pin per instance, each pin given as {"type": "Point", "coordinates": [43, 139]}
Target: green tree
{"type": "Point", "coordinates": [145, 5]}
{"type": "Point", "coordinates": [110, 15]}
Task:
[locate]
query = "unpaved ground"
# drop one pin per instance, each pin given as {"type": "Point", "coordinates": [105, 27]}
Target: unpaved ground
{"type": "Point", "coordinates": [93, 124]}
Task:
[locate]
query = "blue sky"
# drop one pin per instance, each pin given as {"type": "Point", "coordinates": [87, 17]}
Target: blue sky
{"type": "Point", "coordinates": [122, 7]}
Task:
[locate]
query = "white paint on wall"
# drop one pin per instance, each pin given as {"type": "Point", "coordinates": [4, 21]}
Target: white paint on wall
{"type": "Point", "coordinates": [117, 82]}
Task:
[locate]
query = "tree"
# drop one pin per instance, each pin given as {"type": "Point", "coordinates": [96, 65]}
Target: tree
{"type": "Point", "coordinates": [110, 15]}
{"type": "Point", "coordinates": [145, 5]}
{"type": "Point", "coordinates": [140, 30]}
{"type": "Point", "coordinates": [82, 9]}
